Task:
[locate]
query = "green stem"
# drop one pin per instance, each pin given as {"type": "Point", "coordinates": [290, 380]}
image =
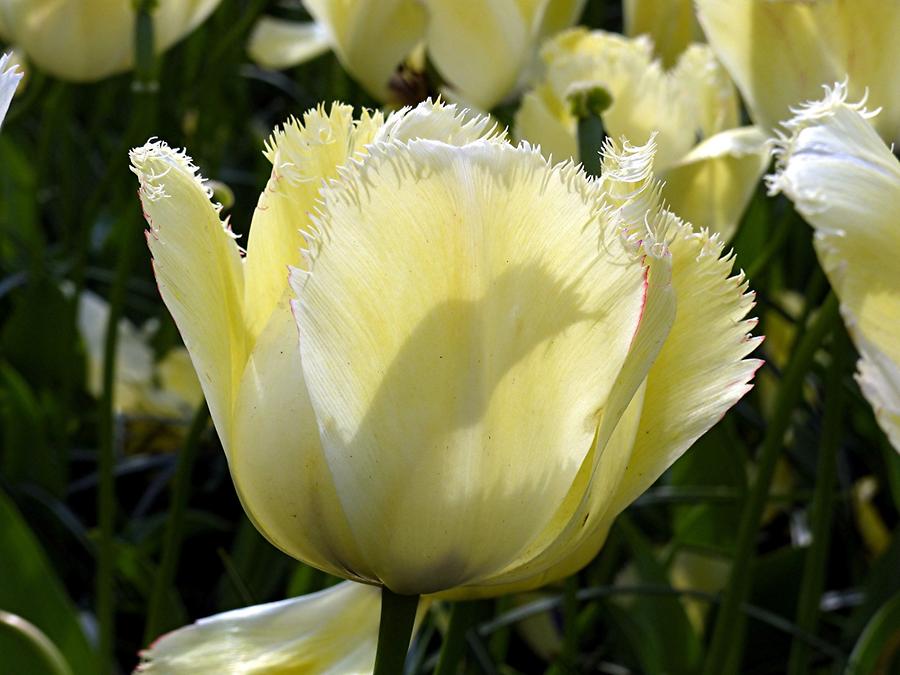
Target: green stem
{"type": "Point", "coordinates": [37, 639]}
{"type": "Point", "coordinates": [462, 616]}
{"type": "Point", "coordinates": [813, 578]}
{"type": "Point", "coordinates": [398, 615]}
{"type": "Point", "coordinates": [726, 641]}
{"type": "Point", "coordinates": [181, 487]}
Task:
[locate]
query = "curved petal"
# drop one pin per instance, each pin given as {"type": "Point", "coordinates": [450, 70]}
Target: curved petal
{"type": "Point", "coordinates": [303, 156]}
{"type": "Point", "coordinates": [277, 43]}
{"type": "Point", "coordinates": [198, 271]}
{"type": "Point", "coordinates": [670, 23]}
{"type": "Point", "coordinates": [332, 632]}
{"type": "Point", "coordinates": [544, 120]}
{"type": "Point", "coordinates": [715, 181]}
{"type": "Point", "coordinates": [816, 43]}
{"type": "Point", "coordinates": [846, 183]}
{"type": "Point", "coordinates": [453, 408]}
{"type": "Point", "coordinates": [9, 80]}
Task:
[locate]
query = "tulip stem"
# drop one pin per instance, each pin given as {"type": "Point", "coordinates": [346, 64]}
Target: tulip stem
{"type": "Point", "coordinates": [398, 614]}
{"type": "Point", "coordinates": [725, 648]}
{"type": "Point", "coordinates": [462, 616]}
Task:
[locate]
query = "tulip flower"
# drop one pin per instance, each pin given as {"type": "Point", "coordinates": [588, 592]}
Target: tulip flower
{"type": "Point", "coordinates": [710, 181]}
{"type": "Point", "coordinates": [845, 181]}
{"type": "Point", "coordinates": [780, 52]}
{"type": "Point", "coordinates": [330, 632]}
{"type": "Point", "coordinates": [9, 80]}
{"type": "Point", "coordinates": [483, 363]}
{"type": "Point", "coordinates": [87, 40]}
{"type": "Point", "coordinates": [671, 24]}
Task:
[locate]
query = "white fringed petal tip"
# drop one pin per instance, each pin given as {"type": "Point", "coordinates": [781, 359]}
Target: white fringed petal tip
{"type": "Point", "coordinates": [10, 75]}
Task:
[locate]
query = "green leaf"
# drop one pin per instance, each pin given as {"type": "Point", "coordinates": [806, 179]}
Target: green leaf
{"type": "Point", "coordinates": [877, 652]}
{"type": "Point", "coordinates": [31, 589]}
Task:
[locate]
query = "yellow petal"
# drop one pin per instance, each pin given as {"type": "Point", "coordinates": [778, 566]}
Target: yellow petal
{"type": "Point", "coordinates": [86, 40]}
{"type": "Point", "coordinates": [303, 157]}
{"type": "Point", "coordinates": [332, 632]}
{"type": "Point", "coordinates": [453, 408]}
{"type": "Point", "coordinates": [707, 91]}
{"type": "Point", "coordinates": [845, 182]}
{"type": "Point", "coordinates": [670, 23]}
{"type": "Point", "coordinates": [715, 181]}
{"type": "Point", "coordinates": [276, 43]}
{"type": "Point", "coordinates": [371, 38]}
{"type": "Point", "coordinates": [544, 119]}
{"type": "Point", "coordinates": [780, 52]}
{"type": "Point", "coordinates": [198, 271]}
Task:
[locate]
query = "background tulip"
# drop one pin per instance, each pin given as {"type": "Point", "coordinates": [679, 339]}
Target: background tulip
{"type": "Point", "coordinates": [710, 165]}
{"type": "Point", "coordinates": [471, 401]}
{"type": "Point", "coordinates": [86, 40]}
{"type": "Point", "coordinates": [780, 52]}
{"type": "Point", "coordinates": [846, 182]}
{"type": "Point", "coordinates": [671, 24]}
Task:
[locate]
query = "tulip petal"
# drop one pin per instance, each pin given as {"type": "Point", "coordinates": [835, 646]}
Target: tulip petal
{"type": "Point", "coordinates": [845, 182]}
{"type": "Point", "coordinates": [430, 365]}
{"type": "Point", "coordinates": [198, 270]}
{"type": "Point", "coordinates": [671, 24]}
{"type": "Point", "coordinates": [277, 43]}
{"type": "Point", "coordinates": [714, 182]}
{"type": "Point", "coordinates": [332, 632]}
{"type": "Point", "coordinates": [544, 119]}
{"type": "Point", "coordinates": [277, 462]}
{"type": "Point", "coordinates": [440, 122]}
{"type": "Point", "coordinates": [303, 157]}
{"type": "Point", "coordinates": [9, 80]}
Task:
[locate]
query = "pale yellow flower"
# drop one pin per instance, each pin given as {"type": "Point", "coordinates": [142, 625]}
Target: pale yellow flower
{"type": "Point", "coordinates": [490, 363]}
{"type": "Point", "coordinates": [709, 180]}
{"type": "Point", "coordinates": [845, 182]}
{"type": "Point", "coordinates": [332, 632]}
{"type": "Point", "coordinates": [87, 40]}
{"type": "Point", "coordinates": [10, 76]}
{"type": "Point", "coordinates": [780, 52]}
{"type": "Point", "coordinates": [671, 24]}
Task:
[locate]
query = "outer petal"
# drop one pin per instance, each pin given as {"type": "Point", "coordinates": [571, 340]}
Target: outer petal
{"type": "Point", "coordinates": [332, 632]}
{"type": "Point", "coordinates": [671, 23]}
{"type": "Point", "coordinates": [9, 80]}
{"type": "Point", "coordinates": [276, 43]}
{"type": "Point", "coordinates": [303, 157]}
{"type": "Point", "coordinates": [846, 183]}
{"type": "Point", "coordinates": [715, 181]}
{"type": "Point", "coordinates": [816, 43]}
{"type": "Point", "coordinates": [466, 408]}
{"type": "Point", "coordinates": [198, 270]}
{"type": "Point", "coordinates": [371, 38]}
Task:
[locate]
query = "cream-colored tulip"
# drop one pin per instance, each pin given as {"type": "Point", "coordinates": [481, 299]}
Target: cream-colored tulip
{"type": "Point", "coordinates": [87, 40]}
{"type": "Point", "coordinates": [10, 76]}
{"type": "Point", "coordinates": [490, 364]}
{"type": "Point", "coordinates": [671, 24]}
{"type": "Point", "coordinates": [845, 182]}
{"type": "Point", "coordinates": [332, 632]}
{"type": "Point", "coordinates": [709, 181]}
{"type": "Point", "coordinates": [369, 37]}
{"type": "Point", "coordinates": [780, 52]}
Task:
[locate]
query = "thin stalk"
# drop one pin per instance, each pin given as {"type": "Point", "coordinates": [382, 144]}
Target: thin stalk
{"type": "Point", "coordinates": [181, 487]}
{"type": "Point", "coordinates": [398, 615]}
{"type": "Point", "coordinates": [462, 616]}
{"type": "Point", "coordinates": [42, 644]}
{"type": "Point", "coordinates": [727, 639]}
{"type": "Point", "coordinates": [813, 579]}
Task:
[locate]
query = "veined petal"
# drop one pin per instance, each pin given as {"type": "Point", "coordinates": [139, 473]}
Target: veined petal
{"type": "Point", "coordinates": [277, 462]}
{"type": "Point", "coordinates": [430, 365]}
{"type": "Point", "coordinates": [198, 271]}
{"type": "Point", "coordinates": [332, 632]}
{"type": "Point", "coordinates": [9, 80]}
{"type": "Point", "coordinates": [277, 43]}
{"type": "Point", "coordinates": [304, 156]}
{"type": "Point", "coordinates": [845, 182]}
{"type": "Point", "coordinates": [715, 181]}
{"type": "Point", "coordinates": [817, 43]}
{"type": "Point", "coordinates": [671, 23]}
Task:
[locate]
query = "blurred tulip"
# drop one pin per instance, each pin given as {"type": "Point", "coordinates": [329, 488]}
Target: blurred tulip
{"type": "Point", "coordinates": [490, 366]}
{"type": "Point", "coordinates": [10, 76]}
{"type": "Point", "coordinates": [709, 180]}
{"type": "Point", "coordinates": [332, 632]}
{"type": "Point", "coordinates": [369, 37]}
{"type": "Point", "coordinates": [87, 40]}
{"type": "Point", "coordinates": [780, 52]}
{"type": "Point", "coordinates": [845, 182]}
{"type": "Point", "coordinates": [671, 24]}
